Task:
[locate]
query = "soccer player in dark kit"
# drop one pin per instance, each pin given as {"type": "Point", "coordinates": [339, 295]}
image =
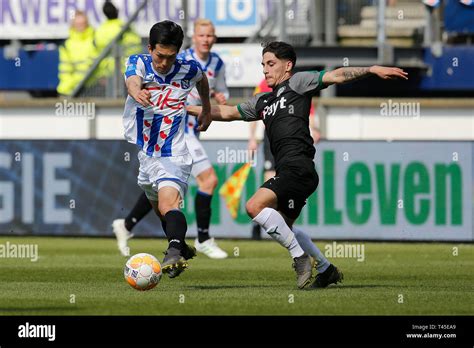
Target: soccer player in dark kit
{"type": "Point", "coordinates": [285, 113]}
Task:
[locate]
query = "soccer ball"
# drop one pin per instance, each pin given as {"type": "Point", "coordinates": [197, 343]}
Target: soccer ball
{"type": "Point", "coordinates": [142, 271]}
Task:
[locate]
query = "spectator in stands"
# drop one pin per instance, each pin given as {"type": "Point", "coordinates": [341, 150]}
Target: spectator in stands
{"type": "Point", "coordinates": [76, 55]}
{"type": "Point", "coordinates": [130, 43]}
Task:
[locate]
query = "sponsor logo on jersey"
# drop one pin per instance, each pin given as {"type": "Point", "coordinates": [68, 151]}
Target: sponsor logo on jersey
{"type": "Point", "coordinates": [271, 110]}
{"type": "Point", "coordinates": [165, 100]}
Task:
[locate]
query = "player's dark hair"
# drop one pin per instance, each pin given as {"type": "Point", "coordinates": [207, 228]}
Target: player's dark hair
{"type": "Point", "coordinates": [110, 11]}
{"type": "Point", "coordinates": [281, 50]}
{"type": "Point", "coordinates": [166, 33]}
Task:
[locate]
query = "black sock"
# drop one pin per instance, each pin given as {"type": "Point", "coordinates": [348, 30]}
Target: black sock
{"type": "Point", "coordinates": [176, 227]}
{"type": "Point", "coordinates": [256, 235]}
{"type": "Point", "coordinates": [163, 226]}
{"type": "Point", "coordinates": [202, 204]}
{"type": "Point", "coordinates": [141, 208]}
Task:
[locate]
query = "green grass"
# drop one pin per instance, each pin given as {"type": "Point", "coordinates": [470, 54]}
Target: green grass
{"type": "Point", "coordinates": [260, 281]}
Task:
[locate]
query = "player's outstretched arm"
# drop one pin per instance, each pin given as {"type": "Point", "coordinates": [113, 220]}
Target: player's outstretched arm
{"type": "Point", "coordinates": [218, 112]}
{"type": "Point", "coordinates": [134, 88]}
{"type": "Point", "coordinates": [349, 74]}
{"type": "Point", "coordinates": [204, 118]}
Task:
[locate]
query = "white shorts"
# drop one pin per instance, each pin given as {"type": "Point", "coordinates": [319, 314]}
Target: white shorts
{"type": "Point", "coordinates": [200, 160]}
{"type": "Point", "coordinates": [157, 172]}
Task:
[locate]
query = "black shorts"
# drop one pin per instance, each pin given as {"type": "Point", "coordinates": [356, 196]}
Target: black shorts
{"type": "Point", "coordinates": [294, 182]}
{"type": "Point", "coordinates": [269, 160]}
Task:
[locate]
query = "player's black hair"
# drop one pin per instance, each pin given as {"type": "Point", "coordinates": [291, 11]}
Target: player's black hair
{"type": "Point", "coordinates": [110, 11]}
{"type": "Point", "coordinates": [281, 50]}
{"type": "Point", "coordinates": [166, 33]}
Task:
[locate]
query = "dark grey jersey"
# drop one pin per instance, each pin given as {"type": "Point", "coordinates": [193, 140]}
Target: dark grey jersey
{"type": "Point", "coordinates": [285, 113]}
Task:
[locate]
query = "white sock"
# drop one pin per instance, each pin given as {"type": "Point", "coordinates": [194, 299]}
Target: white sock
{"type": "Point", "coordinates": [311, 249]}
{"type": "Point", "coordinates": [274, 224]}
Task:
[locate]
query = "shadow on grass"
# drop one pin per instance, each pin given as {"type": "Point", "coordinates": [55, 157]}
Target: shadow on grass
{"type": "Point", "coordinates": [34, 309]}
{"type": "Point", "coordinates": [331, 287]}
{"type": "Point", "coordinates": [220, 287]}
{"type": "Point", "coordinates": [357, 286]}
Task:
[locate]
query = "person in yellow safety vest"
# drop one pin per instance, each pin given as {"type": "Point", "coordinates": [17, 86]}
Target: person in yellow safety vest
{"type": "Point", "coordinates": [130, 43]}
{"type": "Point", "coordinates": [76, 55]}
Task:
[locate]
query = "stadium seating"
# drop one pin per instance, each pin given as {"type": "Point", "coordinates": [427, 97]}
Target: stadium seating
{"type": "Point", "coordinates": [404, 33]}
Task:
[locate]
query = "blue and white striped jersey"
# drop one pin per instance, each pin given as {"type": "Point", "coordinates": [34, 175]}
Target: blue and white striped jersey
{"type": "Point", "coordinates": [214, 68]}
{"type": "Point", "coordinates": [159, 130]}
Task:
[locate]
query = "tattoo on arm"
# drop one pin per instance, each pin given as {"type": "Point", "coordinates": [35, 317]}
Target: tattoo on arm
{"type": "Point", "coordinates": [352, 74]}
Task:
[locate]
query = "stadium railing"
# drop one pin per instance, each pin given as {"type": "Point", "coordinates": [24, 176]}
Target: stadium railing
{"type": "Point", "coordinates": [339, 118]}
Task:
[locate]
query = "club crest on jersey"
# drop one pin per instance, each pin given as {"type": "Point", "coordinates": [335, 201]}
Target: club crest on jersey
{"type": "Point", "coordinates": [185, 84]}
{"type": "Point", "coordinates": [280, 91]}
{"type": "Point", "coordinates": [150, 77]}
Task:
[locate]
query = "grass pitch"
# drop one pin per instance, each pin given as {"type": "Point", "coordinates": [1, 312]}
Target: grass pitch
{"type": "Point", "coordinates": [80, 276]}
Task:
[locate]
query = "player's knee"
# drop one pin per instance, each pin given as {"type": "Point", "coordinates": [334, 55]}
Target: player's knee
{"type": "Point", "coordinates": [253, 208]}
{"type": "Point", "coordinates": [164, 208]}
{"type": "Point", "coordinates": [209, 183]}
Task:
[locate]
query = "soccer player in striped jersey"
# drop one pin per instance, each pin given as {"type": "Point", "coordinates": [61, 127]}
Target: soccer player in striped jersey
{"type": "Point", "coordinates": [212, 65]}
{"type": "Point", "coordinates": [154, 119]}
